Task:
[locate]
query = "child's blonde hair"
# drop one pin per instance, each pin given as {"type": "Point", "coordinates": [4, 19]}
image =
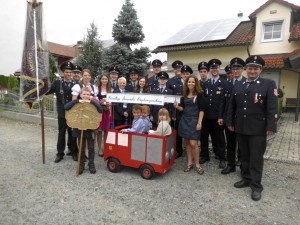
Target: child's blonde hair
{"type": "Point", "coordinates": [87, 89]}
{"type": "Point", "coordinates": [164, 112]}
{"type": "Point", "coordinates": [123, 79]}
{"type": "Point", "coordinates": [146, 109]}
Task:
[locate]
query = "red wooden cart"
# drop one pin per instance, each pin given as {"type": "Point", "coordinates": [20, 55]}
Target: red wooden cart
{"type": "Point", "coordinates": [150, 153]}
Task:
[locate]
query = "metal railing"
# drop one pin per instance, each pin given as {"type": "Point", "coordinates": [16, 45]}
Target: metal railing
{"type": "Point", "coordinates": [11, 102]}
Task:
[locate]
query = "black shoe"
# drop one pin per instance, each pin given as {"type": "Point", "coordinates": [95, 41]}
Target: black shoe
{"type": "Point", "coordinates": [241, 184]}
{"type": "Point", "coordinates": [92, 168]}
{"type": "Point", "coordinates": [69, 152]}
{"type": "Point", "coordinates": [81, 168]}
{"type": "Point", "coordinates": [238, 163]}
{"type": "Point", "coordinates": [256, 195]}
{"type": "Point", "coordinates": [228, 169]}
{"type": "Point", "coordinates": [178, 155]}
{"type": "Point", "coordinates": [203, 160]}
{"type": "Point", "coordinates": [75, 157]}
{"type": "Point", "coordinates": [222, 164]}
{"type": "Point", "coordinates": [58, 158]}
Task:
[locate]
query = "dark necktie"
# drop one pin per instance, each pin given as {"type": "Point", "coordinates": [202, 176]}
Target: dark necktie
{"type": "Point", "coordinates": [161, 90]}
{"type": "Point", "coordinates": [235, 81]}
{"type": "Point", "coordinates": [213, 81]}
{"type": "Point", "coordinates": [133, 84]}
{"type": "Point", "coordinates": [114, 86]}
{"type": "Point", "coordinates": [249, 83]}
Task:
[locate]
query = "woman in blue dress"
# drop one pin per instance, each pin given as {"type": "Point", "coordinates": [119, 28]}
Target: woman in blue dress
{"type": "Point", "coordinates": [192, 105]}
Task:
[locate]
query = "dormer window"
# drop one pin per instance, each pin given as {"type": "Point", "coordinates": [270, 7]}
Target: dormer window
{"type": "Point", "coordinates": [272, 31]}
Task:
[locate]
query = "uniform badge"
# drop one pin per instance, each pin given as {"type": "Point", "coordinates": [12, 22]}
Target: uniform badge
{"type": "Point", "coordinates": [275, 92]}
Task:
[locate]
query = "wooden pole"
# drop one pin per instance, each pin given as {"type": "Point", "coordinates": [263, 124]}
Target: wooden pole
{"type": "Point", "coordinates": [79, 155]}
{"type": "Point", "coordinates": [43, 129]}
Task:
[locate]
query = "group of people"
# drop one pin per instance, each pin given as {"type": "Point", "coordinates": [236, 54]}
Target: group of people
{"type": "Point", "coordinates": [237, 112]}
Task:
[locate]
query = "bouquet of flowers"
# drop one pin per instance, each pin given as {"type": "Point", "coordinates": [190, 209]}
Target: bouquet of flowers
{"type": "Point", "coordinates": [104, 104]}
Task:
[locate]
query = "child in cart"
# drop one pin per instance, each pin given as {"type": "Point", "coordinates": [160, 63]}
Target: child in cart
{"type": "Point", "coordinates": [138, 124]}
{"type": "Point", "coordinates": [163, 127]}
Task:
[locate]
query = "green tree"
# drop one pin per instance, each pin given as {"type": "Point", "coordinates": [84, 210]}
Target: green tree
{"type": "Point", "coordinates": [127, 31]}
{"type": "Point", "coordinates": [4, 81]}
{"type": "Point", "coordinates": [91, 52]}
{"type": "Point", "coordinates": [52, 68]}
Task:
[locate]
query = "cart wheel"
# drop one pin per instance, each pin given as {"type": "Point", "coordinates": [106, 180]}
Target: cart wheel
{"type": "Point", "coordinates": [147, 171]}
{"type": "Point", "coordinates": [113, 165]}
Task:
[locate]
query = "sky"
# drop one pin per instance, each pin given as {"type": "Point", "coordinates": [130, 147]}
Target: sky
{"type": "Point", "coordinates": [66, 21]}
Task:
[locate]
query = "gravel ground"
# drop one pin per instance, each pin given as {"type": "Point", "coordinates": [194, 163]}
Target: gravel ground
{"type": "Point", "coordinates": [36, 193]}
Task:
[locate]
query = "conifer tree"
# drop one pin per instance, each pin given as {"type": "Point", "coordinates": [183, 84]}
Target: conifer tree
{"type": "Point", "coordinates": [127, 31]}
{"type": "Point", "coordinates": [91, 51]}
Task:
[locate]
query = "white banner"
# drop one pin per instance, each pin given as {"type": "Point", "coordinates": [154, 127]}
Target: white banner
{"type": "Point", "coordinates": [138, 98]}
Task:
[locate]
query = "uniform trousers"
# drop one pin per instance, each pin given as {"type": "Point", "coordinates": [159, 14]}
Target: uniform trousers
{"type": "Point", "coordinates": [175, 125]}
{"type": "Point", "coordinates": [61, 140]}
{"type": "Point", "coordinates": [252, 149]}
{"type": "Point", "coordinates": [230, 146]}
{"type": "Point", "coordinates": [211, 126]}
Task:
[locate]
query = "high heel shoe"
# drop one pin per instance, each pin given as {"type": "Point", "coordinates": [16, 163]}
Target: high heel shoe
{"type": "Point", "coordinates": [188, 168]}
{"type": "Point", "coordinates": [101, 155]}
{"type": "Point", "coordinates": [199, 170]}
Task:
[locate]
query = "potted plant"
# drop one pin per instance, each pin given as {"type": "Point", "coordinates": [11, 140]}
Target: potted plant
{"type": "Point", "coordinates": [280, 101]}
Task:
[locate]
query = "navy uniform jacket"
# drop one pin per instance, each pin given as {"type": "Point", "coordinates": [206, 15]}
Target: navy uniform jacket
{"type": "Point", "coordinates": [119, 109]}
{"type": "Point", "coordinates": [63, 93]}
{"type": "Point", "coordinates": [228, 88]}
{"type": "Point", "coordinates": [176, 85]}
{"type": "Point", "coordinates": [155, 108]}
{"type": "Point", "coordinates": [253, 110]}
{"type": "Point", "coordinates": [129, 87]}
{"type": "Point", "coordinates": [213, 94]}
{"type": "Point", "coordinates": [153, 82]}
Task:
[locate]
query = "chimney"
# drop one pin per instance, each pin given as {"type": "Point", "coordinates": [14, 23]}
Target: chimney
{"type": "Point", "coordinates": [240, 14]}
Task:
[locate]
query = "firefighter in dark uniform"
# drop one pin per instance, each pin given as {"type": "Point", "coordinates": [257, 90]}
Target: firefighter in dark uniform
{"type": "Point", "coordinates": [213, 91]}
{"type": "Point", "coordinates": [62, 89]}
{"type": "Point", "coordinates": [114, 73]}
{"type": "Point", "coordinates": [252, 114]}
{"type": "Point", "coordinates": [176, 85]}
{"type": "Point", "coordinates": [153, 81]}
{"type": "Point", "coordinates": [77, 73]}
{"type": "Point", "coordinates": [237, 65]}
{"type": "Point", "coordinates": [203, 73]}
{"type": "Point", "coordinates": [161, 89]}
{"type": "Point", "coordinates": [205, 131]}
{"type": "Point", "coordinates": [133, 82]}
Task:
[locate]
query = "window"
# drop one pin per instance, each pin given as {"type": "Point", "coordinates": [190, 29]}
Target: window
{"type": "Point", "coordinates": [272, 31]}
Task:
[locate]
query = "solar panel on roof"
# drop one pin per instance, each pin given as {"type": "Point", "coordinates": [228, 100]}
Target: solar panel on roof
{"type": "Point", "coordinates": [205, 31]}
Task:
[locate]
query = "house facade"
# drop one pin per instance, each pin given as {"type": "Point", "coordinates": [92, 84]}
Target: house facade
{"type": "Point", "coordinates": [271, 31]}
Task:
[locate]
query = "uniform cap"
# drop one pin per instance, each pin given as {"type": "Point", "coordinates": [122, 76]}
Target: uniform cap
{"type": "Point", "coordinates": [114, 69]}
{"type": "Point", "coordinates": [214, 63]}
{"type": "Point", "coordinates": [156, 63]}
{"type": "Point", "coordinates": [77, 68]}
{"type": "Point", "coordinates": [228, 68]}
{"type": "Point", "coordinates": [133, 70]}
{"type": "Point", "coordinates": [66, 65]}
{"type": "Point", "coordinates": [162, 75]}
{"type": "Point", "coordinates": [255, 60]}
{"type": "Point", "coordinates": [186, 68]}
{"type": "Point", "coordinates": [237, 62]}
{"type": "Point", "coordinates": [177, 64]}
{"type": "Point", "coordinates": [203, 66]}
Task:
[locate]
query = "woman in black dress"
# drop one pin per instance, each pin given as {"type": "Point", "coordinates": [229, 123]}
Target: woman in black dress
{"type": "Point", "coordinates": [192, 105]}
